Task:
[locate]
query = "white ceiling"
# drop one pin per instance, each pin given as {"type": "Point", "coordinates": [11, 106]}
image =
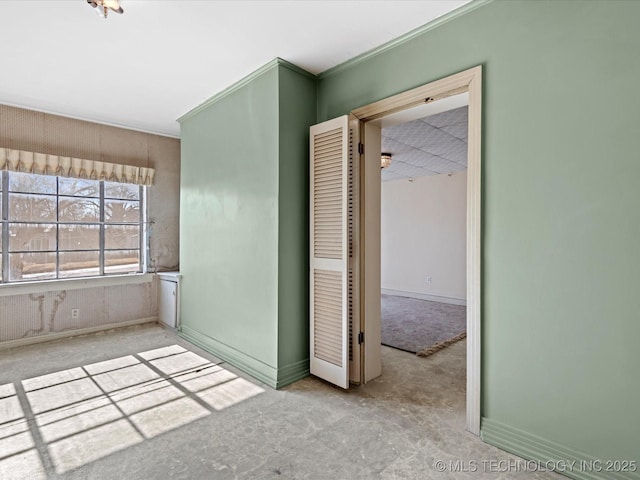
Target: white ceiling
{"type": "Point", "coordinates": [431, 145]}
{"type": "Point", "coordinates": [160, 59]}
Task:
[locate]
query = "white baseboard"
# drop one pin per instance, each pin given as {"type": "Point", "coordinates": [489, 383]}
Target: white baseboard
{"type": "Point", "coordinates": [425, 296]}
{"type": "Point", "coordinates": [20, 342]}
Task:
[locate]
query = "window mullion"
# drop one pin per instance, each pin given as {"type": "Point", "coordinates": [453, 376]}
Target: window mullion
{"type": "Point", "coordinates": [57, 227]}
{"type": "Point", "coordinates": [101, 246]}
{"type": "Point", "coordinates": [142, 205]}
{"type": "Point", "coordinates": [4, 177]}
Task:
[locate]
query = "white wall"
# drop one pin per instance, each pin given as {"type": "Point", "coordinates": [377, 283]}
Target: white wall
{"type": "Point", "coordinates": [423, 234]}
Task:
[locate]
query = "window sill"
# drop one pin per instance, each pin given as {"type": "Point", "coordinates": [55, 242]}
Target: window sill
{"type": "Point", "coordinates": [23, 288]}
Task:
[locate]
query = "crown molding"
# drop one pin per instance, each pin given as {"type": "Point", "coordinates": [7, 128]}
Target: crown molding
{"type": "Point", "coordinates": [276, 62]}
{"type": "Point", "coordinates": [407, 37]}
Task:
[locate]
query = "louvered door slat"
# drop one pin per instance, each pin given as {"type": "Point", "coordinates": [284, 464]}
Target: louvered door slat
{"type": "Point", "coordinates": [329, 251]}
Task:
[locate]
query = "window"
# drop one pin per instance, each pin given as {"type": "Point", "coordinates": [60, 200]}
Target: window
{"type": "Point", "coordinates": [57, 227]}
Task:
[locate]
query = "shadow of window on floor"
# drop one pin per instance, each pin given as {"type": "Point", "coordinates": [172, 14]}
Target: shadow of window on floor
{"type": "Point", "coordinates": [73, 417]}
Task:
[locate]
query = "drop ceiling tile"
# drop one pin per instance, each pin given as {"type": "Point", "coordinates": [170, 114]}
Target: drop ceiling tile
{"type": "Point", "coordinates": [428, 146]}
{"type": "Point", "coordinates": [411, 170]}
{"type": "Point", "coordinates": [434, 140]}
{"type": "Point", "coordinates": [414, 133]}
{"type": "Point", "coordinates": [416, 157]}
{"type": "Point", "coordinates": [454, 150]}
{"type": "Point", "coordinates": [394, 146]}
{"type": "Point", "coordinates": [439, 165]}
{"type": "Point", "coordinates": [450, 117]}
{"type": "Point", "coordinates": [408, 170]}
{"type": "Point", "coordinates": [459, 130]}
{"type": "Point", "coordinates": [455, 167]}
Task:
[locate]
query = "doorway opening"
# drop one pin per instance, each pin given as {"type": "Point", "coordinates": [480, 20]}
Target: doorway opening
{"type": "Point", "coordinates": [466, 82]}
{"type": "Point", "coordinates": [423, 222]}
{"type": "Point", "coordinates": [345, 249]}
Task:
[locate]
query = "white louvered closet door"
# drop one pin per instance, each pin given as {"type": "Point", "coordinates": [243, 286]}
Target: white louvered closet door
{"type": "Point", "coordinates": [329, 333]}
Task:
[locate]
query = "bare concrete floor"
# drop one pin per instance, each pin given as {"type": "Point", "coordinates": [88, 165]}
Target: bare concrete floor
{"type": "Point", "coordinates": [141, 403]}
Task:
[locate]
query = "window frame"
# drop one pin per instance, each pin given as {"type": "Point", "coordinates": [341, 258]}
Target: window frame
{"type": "Point", "coordinates": [101, 223]}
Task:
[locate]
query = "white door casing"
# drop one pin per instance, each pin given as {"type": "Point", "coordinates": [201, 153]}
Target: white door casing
{"type": "Point", "coordinates": [370, 252]}
{"type": "Point", "coordinates": [356, 352]}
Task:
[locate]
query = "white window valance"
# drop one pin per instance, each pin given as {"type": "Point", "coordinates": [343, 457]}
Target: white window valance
{"type": "Point", "coordinates": [43, 164]}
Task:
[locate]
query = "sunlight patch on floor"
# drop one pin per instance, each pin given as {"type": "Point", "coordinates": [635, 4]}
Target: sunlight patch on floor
{"type": "Point", "coordinates": [17, 447]}
{"type": "Point", "coordinates": [90, 445]}
{"type": "Point", "coordinates": [230, 393]}
{"type": "Point", "coordinates": [168, 416]}
{"type": "Point", "coordinates": [87, 413]}
{"type": "Point", "coordinates": [28, 464]}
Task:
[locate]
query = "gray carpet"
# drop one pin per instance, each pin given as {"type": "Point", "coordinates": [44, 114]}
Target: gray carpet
{"type": "Point", "coordinates": [421, 326]}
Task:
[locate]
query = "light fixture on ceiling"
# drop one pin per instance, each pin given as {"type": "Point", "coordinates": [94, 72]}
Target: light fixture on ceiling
{"type": "Point", "coordinates": [385, 160]}
{"type": "Point", "coordinates": [104, 6]}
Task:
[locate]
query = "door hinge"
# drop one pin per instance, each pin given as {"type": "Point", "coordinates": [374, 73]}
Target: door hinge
{"type": "Point", "coordinates": [360, 338]}
{"type": "Point", "coordinates": [361, 148]}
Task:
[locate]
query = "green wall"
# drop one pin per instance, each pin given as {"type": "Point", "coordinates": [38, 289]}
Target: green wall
{"type": "Point", "coordinates": [243, 249]}
{"type": "Point", "coordinates": [561, 216]}
{"type": "Point", "coordinates": [297, 100]}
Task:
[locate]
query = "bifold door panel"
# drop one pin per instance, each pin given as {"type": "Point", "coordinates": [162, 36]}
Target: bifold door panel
{"type": "Point", "coordinates": [331, 256]}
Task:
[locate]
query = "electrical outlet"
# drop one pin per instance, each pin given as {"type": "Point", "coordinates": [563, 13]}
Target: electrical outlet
{"type": "Point", "coordinates": [75, 312]}
{"type": "Point", "coordinates": [429, 279]}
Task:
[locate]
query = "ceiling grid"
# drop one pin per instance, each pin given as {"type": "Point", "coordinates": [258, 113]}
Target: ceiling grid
{"type": "Point", "coordinates": [431, 145]}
